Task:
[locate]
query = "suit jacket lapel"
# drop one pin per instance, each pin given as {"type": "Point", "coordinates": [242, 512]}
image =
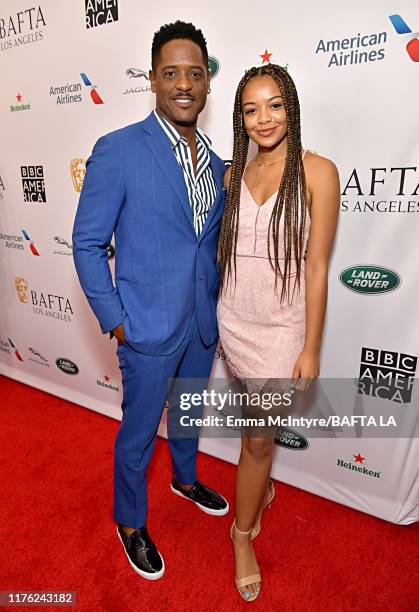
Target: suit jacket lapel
{"type": "Point", "coordinates": [162, 150]}
{"type": "Point", "coordinates": [218, 176]}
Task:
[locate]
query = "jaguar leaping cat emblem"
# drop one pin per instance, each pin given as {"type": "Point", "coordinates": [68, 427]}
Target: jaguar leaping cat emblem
{"type": "Point", "coordinates": [136, 73]}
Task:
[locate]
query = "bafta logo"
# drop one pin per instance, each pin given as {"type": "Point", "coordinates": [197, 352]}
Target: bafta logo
{"type": "Point", "coordinates": [78, 170]}
{"type": "Point", "coordinates": [21, 289]}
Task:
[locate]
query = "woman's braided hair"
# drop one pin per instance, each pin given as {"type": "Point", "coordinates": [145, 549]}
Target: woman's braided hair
{"type": "Point", "coordinates": [291, 200]}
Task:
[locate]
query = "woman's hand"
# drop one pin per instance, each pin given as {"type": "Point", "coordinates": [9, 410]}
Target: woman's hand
{"type": "Point", "coordinates": [306, 370]}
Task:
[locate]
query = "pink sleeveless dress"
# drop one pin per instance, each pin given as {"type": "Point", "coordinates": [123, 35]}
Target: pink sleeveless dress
{"type": "Point", "coordinates": [261, 338]}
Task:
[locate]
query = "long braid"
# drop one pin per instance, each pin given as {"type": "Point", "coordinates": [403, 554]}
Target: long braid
{"type": "Point", "coordinates": [291, 200]}
{"type": "Point", "coordinates": [230, 222]}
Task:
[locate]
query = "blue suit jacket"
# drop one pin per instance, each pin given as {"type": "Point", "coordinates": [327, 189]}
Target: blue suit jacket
{"type": "Point", "coordinates": [134, 187]}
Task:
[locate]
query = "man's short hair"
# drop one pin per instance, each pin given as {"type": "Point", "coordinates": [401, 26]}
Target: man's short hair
{"type": "Point", "coordinates": [178, 29]}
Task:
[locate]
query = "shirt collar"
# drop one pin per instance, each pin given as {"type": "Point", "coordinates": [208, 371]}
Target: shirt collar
{"type": "Point", "coordinates": [174, 136]}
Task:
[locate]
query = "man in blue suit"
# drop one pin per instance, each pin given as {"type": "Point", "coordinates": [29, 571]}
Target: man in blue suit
{"type": "Point", "coordinates": [158, 186]}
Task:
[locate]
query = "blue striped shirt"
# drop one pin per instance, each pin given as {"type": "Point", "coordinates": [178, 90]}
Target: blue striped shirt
{"type": "Point", "coordinates": [202, 188]}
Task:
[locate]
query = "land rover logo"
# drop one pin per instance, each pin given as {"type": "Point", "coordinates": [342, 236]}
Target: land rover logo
{"type": "Point", "coordinates": [370, 279]}
{"type": "Point", "coordinates": [66, 365]}
{"type": "Point", "coordinates": [290, 439]}
{"type": "Point", "coordinates": [213, 66]}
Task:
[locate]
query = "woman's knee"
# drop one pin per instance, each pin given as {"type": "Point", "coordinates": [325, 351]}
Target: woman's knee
{"type": "Point", "coordinates": [258, 448]}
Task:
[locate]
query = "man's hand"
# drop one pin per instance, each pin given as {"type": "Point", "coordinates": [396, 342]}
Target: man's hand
{"type": "Point", "coordinates": [118, 332]}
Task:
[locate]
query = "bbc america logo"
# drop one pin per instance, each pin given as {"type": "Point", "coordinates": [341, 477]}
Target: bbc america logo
{"type": "Point", "coordinates": [33, 183]}
{"type": "Point", "coordinates": [387, 374]}
{"type": "Point", "coordinates": [100, 12]}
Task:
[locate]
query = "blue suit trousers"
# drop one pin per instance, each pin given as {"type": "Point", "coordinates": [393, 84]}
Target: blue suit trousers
{"type": "Point", "coordinates": [145, 388]}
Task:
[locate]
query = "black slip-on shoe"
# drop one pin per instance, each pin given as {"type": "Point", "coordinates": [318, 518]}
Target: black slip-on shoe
{"type": "Point", "coordinates": [205, 498]}
{"type": "Point", "coordinates": [142, 553]}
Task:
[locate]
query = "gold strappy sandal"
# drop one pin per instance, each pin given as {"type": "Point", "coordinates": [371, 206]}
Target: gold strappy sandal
{"type": "Point", "coordinates": [256, 528]}
{"type": "Point", "coordinates": [242, 582]}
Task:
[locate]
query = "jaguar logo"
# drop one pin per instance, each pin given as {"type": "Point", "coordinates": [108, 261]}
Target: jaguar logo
{"type": "Point", "coordinates": [63, 242]}
{"type": "Point", "coordinates": [37, 354]}
{"type": "Point", "coordinates": [136, 73]}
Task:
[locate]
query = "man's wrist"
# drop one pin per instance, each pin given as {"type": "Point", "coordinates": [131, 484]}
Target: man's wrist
{"type": "Point", "coordinates": [111, 333]}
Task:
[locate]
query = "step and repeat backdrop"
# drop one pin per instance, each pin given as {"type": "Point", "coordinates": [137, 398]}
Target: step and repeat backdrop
{"type": "Point", "coordinates": [76, 69]}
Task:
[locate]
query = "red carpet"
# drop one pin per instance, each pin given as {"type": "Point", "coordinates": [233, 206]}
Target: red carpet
{"type": "Point", "coordinates": [57, 531]}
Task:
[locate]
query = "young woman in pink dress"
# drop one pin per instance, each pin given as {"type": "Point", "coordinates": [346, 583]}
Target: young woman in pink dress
{"type": "Point", "coordinates": [276, 237]}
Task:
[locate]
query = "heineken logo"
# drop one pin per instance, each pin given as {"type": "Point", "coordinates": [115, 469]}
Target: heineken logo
{"type": "Point", "coordinates": [213, 66]}
{"type": "Point", "coordinates": [361, 468]}
{"type": "Point", "coordinates": [66, 365]}
{"type": "Point", "coordinates": [106, 382]}
{"type": "Point", "coordinates": [290, 439]}
{"type": "Point", "coordinates": [370, 279]}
